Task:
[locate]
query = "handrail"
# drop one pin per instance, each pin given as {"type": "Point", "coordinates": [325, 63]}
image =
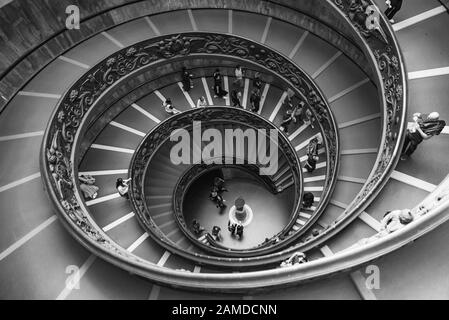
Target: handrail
{"type": "Point", "coordinates": [99, 18]}
{"type": "Point", "coordinates": [141, 162]}
{"type": "Point", "coordinates": [57, 157]}
{"type": "Point", "coordinates": [258, 281]}
{"type": "Point", "coordinates": [383, 48]}
{"type": "Point", "coordinates": [192, 175]}
{"type": "Point", "coordinates": [445, 3]}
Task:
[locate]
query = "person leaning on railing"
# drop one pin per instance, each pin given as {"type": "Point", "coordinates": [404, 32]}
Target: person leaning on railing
{"type": "Point", "coordinates": [424, 127]}
{"type": "Point", "coordinates": [168, 106]}
{"type": "Point", "coordinates": [201, 103]}
{"type": "Point", "coordinates": [89, 190]}
{"type": "Point", "coordinates": [395, 220]}
{"type": "Point", "coordinates": [295, 259]}
{"type": "Point", "coordinates": [122, 187]}
{"type": "Point", "coordinates": [391, 222]}
{"type": "Point", "coordinates": [393, 7]}
{"type": "Point", "coordinates": [216, 233]}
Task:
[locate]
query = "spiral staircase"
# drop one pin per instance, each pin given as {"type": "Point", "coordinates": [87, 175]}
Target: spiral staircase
{"type": "Point", "coordinates": [142, 248]}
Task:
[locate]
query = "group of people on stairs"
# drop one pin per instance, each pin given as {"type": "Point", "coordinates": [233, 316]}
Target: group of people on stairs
{"type": "Point", "coordinates": [423, 127]}
{"type": "Point", "coordinates": [219, 92]}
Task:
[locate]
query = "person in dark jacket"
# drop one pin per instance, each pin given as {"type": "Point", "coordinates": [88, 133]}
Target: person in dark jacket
{"type": "Point", "coordinates": [216, 233]}
{"type": "Point", "coordinates": [312, 154]}
{"type": "Point", "coordinates": [254, 100]}
{"type": "Point", "coordinates": [235, 98]}
{"type": "Point", "coordinates": [239, 76]}
{"type": "Point", "coordinates": [311, 161]}
{"type": "Point", "coordinates": [393, 7]}
{"type": "Point", "coordinates": [216, 197]}
{"type": "Point", "coordinates": [187, 82]}
{"type": "Point", "coordinates": [423, 128]}
{"type": "Point", "coordinates": [307, 200]}
{"type": "Point", "coordinates": [122, 186]}
{"type": "Point", "coordinates": [197, 228]}
{"type": "Point", "coordinates": [292, 115]}
{"type": "Point", "coordinates": [239, 231]}
{"type": "Point", "coordinates": [257, 82]}
{"type": "Point", "coordinates": [219, 184]}
{"type": "Point", "coordinates": [219, 92]}
{"type": "Point", "coordinates": [231, 227]}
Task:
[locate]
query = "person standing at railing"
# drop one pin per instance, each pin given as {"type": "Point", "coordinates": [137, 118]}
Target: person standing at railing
{"type": "Point", "coordinates": [393, 7]}
{"type": "Point", "coordinates": [239, 76]}
{"type": "Point", "coordinates": [391, 222]}
{"type": "Point", "coordinates": [168, 106]}
{"type": "Point", "coordinates": [257, 82]}
{"type": "Point", "coordinates": [312, 155]}
{"type": "Point", "coordinates": [201, 103]}
{"type": "Point", "coordinates": [254, 100]}
{"type": "Point", "coordinates": [122, 187]}
{"type": "Point", "coordinates": [187, 82]}
{"type": "Point", "coordinates": [90, 191]}
{"type": "Point", "coordinates": [235, 98]}
{"type": "Point", "coordinates": [293, 114]}
{"type": "Point", "coordinates": [219, 92]}
{"type": "Point", "coordinates": [423, 128]}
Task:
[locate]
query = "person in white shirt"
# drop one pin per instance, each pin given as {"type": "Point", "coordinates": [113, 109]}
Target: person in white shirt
{"type": "Point", "coordinates": [391, 222]}
{"type": "Point", "coordinates": [239, 76]}
{"type": "Point", "coordinates": [201, 102]}
{"type": "Point", "coordinates": [122, 187]}
{"type": "Point", "coordinates": [168, 106]}
{"type": "Point", "coordinates": [90, 191]}
{"type": "Point", "coordinates": [395, 220]}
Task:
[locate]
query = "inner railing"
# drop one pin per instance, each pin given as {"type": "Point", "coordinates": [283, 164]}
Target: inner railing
{"type": "Point", "coordinates": [59, 163]}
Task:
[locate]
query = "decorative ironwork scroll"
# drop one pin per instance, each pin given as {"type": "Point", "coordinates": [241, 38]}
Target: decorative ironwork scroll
{"type": "Point", "coordinates": [61, 137]}
{"type": "Point", "coordinates": [210, 116]}
{"type": "Point", "coordinates": [59, 144]}
{"type": "Point", "coordinates": [378, 36]}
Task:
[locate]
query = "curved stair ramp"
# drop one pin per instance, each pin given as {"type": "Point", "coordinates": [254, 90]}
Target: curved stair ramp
{"type": "Point", "coordinates": [354, 101]}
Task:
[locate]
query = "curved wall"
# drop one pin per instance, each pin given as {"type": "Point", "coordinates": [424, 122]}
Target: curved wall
{"type": "Point", "coordinates": [34, 31]}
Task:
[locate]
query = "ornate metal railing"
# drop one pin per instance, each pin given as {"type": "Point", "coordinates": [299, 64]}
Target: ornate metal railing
{"type": "Point", "coordinates": [72, 113]}
{"type": "Point", "coordinates": [62, 138]}
{"type": "Point", "coordinates": [193, 174]}
{"type": "Point", "coordinates": [381, 45]}
{"type": "Point", "coordinates": [211, 116]}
